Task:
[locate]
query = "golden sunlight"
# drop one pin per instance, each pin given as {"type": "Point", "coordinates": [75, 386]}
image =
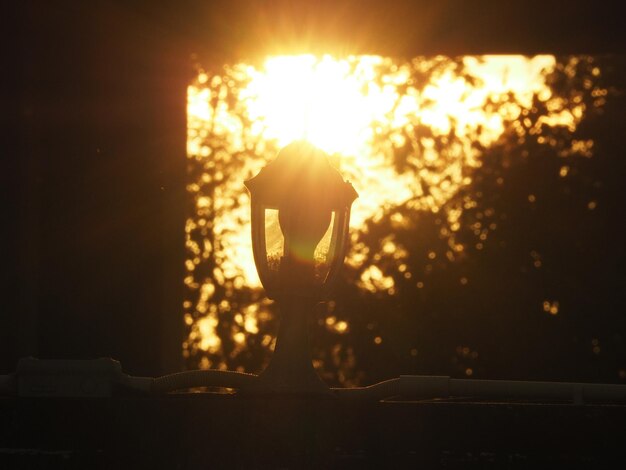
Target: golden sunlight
{"type": "Point", "coordinates": [361, 110]}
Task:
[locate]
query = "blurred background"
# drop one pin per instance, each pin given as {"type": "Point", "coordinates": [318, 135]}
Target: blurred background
{"type": "Point", "coordinates": [486, 239]}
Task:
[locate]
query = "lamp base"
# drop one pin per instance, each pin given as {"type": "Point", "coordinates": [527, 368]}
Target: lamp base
{"type": "Point", "coordinates": [290, 371]}
{"type": "Point", "coordinates": [274, 381]}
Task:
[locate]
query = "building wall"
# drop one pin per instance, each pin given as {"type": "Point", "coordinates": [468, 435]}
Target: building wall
{"type": "Point", "coordinates": [95, 188]}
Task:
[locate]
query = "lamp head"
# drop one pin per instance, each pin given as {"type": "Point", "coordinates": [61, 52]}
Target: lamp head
{"type": "Point", "coordinates": [312, 201]}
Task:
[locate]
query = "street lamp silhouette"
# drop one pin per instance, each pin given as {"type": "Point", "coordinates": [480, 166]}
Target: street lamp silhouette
{"type": "Point", "coordinates": [300, 219]}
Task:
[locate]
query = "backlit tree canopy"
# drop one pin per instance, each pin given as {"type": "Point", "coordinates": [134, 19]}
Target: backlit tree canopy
{"type": "Point", "coordinates": [461, 166]}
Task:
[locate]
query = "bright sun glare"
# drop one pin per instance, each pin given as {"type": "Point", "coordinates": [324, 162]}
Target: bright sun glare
{"type": "Point", "coordinates": [360, 110]}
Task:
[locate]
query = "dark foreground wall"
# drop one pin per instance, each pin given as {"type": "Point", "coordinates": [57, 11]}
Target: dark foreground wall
{"type": "Point", "coordinates": [200, 431]}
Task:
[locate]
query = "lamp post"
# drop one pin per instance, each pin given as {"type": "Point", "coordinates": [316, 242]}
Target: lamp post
{"type": "Point", "coordinates": [300, 219]}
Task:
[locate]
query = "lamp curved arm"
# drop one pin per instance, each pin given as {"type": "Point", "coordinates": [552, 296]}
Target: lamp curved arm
{"type": "Point", "coordinates": [338, 250]}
